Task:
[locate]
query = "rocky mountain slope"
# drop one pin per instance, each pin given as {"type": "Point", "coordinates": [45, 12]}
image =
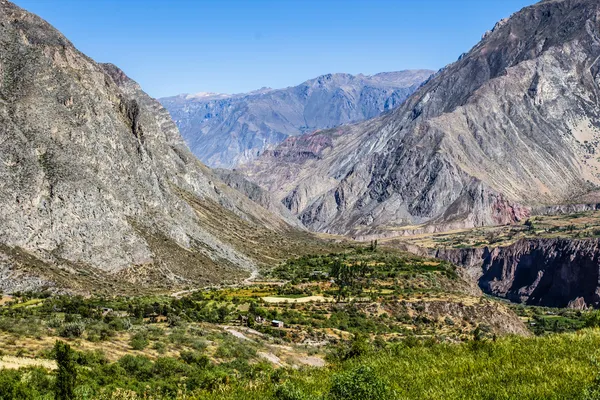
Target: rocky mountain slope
{"type": "Point", "coordinates": [547, 272]}
{"type": "Point", "coordinates": [226, 130]}
{"type": "Point", "coordinates": [97, 188]}
{"type": "Point", "coordinates": [513, 124]}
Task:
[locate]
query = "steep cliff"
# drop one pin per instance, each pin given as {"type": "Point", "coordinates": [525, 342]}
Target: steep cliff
{"type": "Point", "coordinates": [98, 191]}
{"type": "Point", "coordinates": [546, 272]}
{"type": "Point", "coordinates": [513, 125]}
{"type": "Point", "coordinates": [227, 130]}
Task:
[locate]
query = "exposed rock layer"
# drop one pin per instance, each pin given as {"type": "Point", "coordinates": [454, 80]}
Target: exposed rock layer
{"type": "Point", "coordinates": [511, 126]}
{"type": "Point", "coordinates": [545, 272]}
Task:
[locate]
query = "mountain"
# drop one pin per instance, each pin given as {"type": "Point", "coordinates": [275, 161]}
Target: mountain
{"type": "Point", "coordinates": [98, 190]}
{"type": "Point", "coordinates": [227, 130]}
{"type": "Point", "coordinates": [514, 124]}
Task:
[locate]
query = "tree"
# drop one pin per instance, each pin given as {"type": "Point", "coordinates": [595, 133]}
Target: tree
{"type": "Point", "coordinates": [344, 277]}
{"type": "Point", "coordinates": [373, 246]}
{"type": "Point", "coordinates": [359, 346]}
{"type": "Point", "coordinates": [67, 374]}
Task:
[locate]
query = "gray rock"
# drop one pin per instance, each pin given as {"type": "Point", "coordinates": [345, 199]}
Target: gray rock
{"type": "Point", "coordinates": [258, 195]}
{"type": "Point", "coordinates": [96, 183]}
{"type": "Point", "coordinates": [227, 130]}
{"type": "Point", "coordinates": [512, 126]}
{"type": "Point", "coordinates": [543, 272]}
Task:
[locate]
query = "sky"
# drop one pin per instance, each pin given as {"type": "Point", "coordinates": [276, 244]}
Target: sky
{"type": "Point", "coordinates": [235, 46]}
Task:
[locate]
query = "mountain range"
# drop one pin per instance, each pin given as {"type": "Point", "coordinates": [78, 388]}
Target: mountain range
{"type": "Point", "coordinates": [98, 189]}
{"type": "Point", "coordinates": [227, 130]}
{"type": "Point", "coordinates": [512, 126]}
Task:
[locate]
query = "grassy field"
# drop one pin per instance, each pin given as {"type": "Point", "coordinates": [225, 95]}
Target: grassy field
{"type": "Point", "coordinates": [550, 367]}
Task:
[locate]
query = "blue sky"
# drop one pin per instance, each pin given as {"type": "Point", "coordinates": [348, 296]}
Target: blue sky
{"type": "Point", "coordinates": [232, 46]}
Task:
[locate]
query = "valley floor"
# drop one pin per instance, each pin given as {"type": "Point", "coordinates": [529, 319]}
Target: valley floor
{"type": "Point", "coordinates": [367, 322]}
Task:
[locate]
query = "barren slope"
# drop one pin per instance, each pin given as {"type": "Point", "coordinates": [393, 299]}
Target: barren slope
{"type": "Point", "coordinates": [97, 187]}
{"type": "Point", "coordinates": [226, 130]}
{"type": "Point", "coordinates": [511, 125]}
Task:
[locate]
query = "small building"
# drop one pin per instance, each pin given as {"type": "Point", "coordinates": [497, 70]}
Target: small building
{"type": "Point", "coordinates": [276, 324]}
{"type": "Point", "coordinates": [106, 311]}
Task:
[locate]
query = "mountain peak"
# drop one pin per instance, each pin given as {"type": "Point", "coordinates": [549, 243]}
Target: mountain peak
{"type": "Point", "coordinates": [224, 131]}
{"type": "Point", "coordinates": [513, 124]}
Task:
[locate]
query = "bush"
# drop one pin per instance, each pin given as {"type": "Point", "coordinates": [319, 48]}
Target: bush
{"type": "Point", "coordinates": [287, 391]}
{"type": "Point", "coordinates": [160, 347]}
{"type": "Point", "coordinates": [139, 341]}
{"type": "Point", "coordinates": [120, 324]}
{"type": "Point", "coordinates": [99, 332]}
{"type": "Point", "coordinates": [359, 384]}
{"type": "Point", "coordinates": [138, 366]}
{"type": "Point", "coordinates": [72, 330]}
{"type": "Point", "coordinates": [195, 358]}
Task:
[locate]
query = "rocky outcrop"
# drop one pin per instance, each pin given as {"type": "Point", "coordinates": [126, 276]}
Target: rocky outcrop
{"type": "Point", "coordinates": [545, 272]}
{"type": "Point", "coordinates": [258, 195]}
{"type": "Point", "coordinates": [227, 130]}
{"type": "Point", "coordinates": [513, 125]}
{"type": "Point", "coordinates": [97, 187]}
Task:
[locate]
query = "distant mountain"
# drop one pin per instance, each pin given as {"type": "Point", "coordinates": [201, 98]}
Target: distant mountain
{"type": "Point", "coordinates": [98, 191]}
{"type": "Point", "coordinates": [227, 130]}
{"type": "Point", "coordinates": [512, 125]}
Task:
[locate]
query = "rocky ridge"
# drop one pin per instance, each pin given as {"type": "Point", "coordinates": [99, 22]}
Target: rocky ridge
{"type": "Point", "coordinates": [512, 126]}
{"type": "Point", "coordinates": [227, 130]}
{"type": "Point", "coordinates": [97, 187]}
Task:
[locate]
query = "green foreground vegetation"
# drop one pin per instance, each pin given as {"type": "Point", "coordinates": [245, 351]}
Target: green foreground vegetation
{"type": "Point", "coordinates": [368, 323]}
{"type": "Point", "coordinates": [551, 367]}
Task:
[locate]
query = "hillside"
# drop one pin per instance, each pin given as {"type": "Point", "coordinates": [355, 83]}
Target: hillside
{"type": "Point", "coordinates": [98, 189]}
{"type": "Point", "coordinates": [512, 126]}
{"type": "Point", "coordinates": [227, 130]}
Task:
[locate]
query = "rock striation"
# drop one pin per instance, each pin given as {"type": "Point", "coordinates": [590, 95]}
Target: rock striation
{"type": "Point", "coordinates": [543, 272]}
{"type": "Point", "coordinates": [512, 126]}
{"type": "Point", "coordinates": [97, 187]}
{"type": "Point", "coordinates": [227, 130]}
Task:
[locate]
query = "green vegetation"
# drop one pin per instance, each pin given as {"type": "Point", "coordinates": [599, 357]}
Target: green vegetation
{"type": "Point", "coordinates": [549, 367]}
{"type": "Point", "coordinates": [67, 372]}
{"type": "Point", "coordinates": [386, 325]}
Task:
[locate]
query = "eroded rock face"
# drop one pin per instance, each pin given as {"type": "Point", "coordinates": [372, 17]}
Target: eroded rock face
{"type": "Point", "coordinates": [227, 130]}
{"type": "Point", "coordinates": [545, 272]}
{"type": "Point", "coordinates": [258, 195]}
{"type": "Point", "coordinates": [94, 174]}
{"type": "Point", "coordinates": [512, 125]}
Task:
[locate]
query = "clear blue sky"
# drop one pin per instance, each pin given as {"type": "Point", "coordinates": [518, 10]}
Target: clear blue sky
{"type": "Point", "coordinates": [232, 46]}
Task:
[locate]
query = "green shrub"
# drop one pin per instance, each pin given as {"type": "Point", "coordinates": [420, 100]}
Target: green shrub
{"type": "Point", "coordinates": [359, 384]}
{"type": "Point", "coordinates": [72, 330]}
{"type": "Point", "coordinates": [120, 324]}
{"type": "Point", "coordinates": [195, 358]}
{"type": "Point", "coordinates": [160, 347]}
{"type": "Point", "coordinates": [138, 366]}
{"type": "Point", "coordinates": [288, 391]}
{"type": "Point", "coordinates": [99, 332]}
{"type": "Point", "coordinates": [139, 341]}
